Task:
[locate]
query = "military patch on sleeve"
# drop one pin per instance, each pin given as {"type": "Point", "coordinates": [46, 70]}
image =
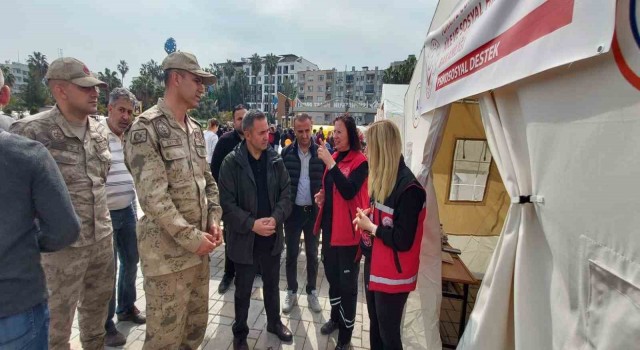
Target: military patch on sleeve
{"type": "Point", "coordinates": [139, 136]}
{"type": "Point", "coordinates": [163, 128]}
{"type": "Point", "coordinates": [198, 138]}
{"type": "Point", "coordinates": [56, 133]}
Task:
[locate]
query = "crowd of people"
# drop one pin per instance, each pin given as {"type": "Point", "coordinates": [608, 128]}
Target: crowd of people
{"type": "Point", "coordinates": [70, 184]}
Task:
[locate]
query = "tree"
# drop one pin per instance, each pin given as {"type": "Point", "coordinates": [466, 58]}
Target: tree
{"type": "Point", "coordinates": [207, 109]}
{"type": "Point", "coordinates": [153, 70]}
{"type": "Point", "coordinates": [256, 67]}
{"type": "Point", "coordinates": [35, 95]}
{"type": "Point", "coordinates": [270, 66]}
{"type": "Point", "coordinates": [38, 65]}
{"type": "Point", "coordinates": [9, 78]}
{"type": "Point", "coordinates": [400, 74]}
{"type": "Point", "coordinates": [242, 82]}
{"type": "Point", "coordinates": [229, 70]}
{"type": "Point", "coordinates": [289, 89]}
{"type": "Point", "coordinates": [256, 64]}
{"type": "Point", "coordinates": [15, 104]}
{"type": "Point", "coordinates": [145, 90]}
{"type": "Point", "coordinates": [111, 78]}
{"type": "Point", "coordinates": [123, 68]}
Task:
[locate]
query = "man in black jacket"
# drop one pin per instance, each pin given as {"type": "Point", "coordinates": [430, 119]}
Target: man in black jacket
{"type": "Point", "coordinates": [225, 145]}
{"type": "Point", "coordinates": [305, 170]}
{"type": "Point", "coordinates": [255, 196]}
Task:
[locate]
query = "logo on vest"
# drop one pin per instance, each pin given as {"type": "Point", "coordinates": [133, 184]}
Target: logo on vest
{"type": "Point", "coordinates": [366, 239]}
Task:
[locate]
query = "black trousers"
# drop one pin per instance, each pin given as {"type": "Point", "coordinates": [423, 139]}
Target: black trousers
{"type": "Point", "coordinates": [301, 220]}
{"type": "Point", "coordinates": [385, 315]}
{"type": "Point", "coordinates": [229, 267]}
{"type": "Point", "coordinates": [342, 272]}
{"type": "Point", "coordinates": [245, 274]}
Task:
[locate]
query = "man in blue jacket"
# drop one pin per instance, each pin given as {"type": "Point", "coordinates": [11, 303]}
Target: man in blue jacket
{"type": "Point", "coordinates": [37, 216]}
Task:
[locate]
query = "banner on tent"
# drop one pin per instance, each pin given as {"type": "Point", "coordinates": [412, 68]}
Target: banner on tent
{"type": "Point", "coordinates": [486, 44]}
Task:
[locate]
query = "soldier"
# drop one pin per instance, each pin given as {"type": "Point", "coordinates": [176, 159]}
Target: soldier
{"type": "Point", "coordinates": [166, 153]}
{"type": "Point", "coordinates": [81, 275]}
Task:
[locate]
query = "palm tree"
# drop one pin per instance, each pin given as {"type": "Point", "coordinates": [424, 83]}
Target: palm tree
{"type": "Point", "coordinates": [111, 78]}
{"type": "Point", "coordinates": [256, 66]}
{"type": "Point", "coordinates": [152, 69]}
{"type": "Point", "coordinates": [243, 83]}
{"type": "Point", "coordinates": [144, 88]}
{"type": "Point", "coordinates": [35, 94]}
{"type": "Point", "coordinates": [9, 78]}
{"type": "Point", "coordinates": [229, 70]}
{"type": "Point", "coordinates": [38, 65]}
{"type": "Point", "coordinates": [123, 68]}
{"type": "Point", "coordinates": [270, 66]}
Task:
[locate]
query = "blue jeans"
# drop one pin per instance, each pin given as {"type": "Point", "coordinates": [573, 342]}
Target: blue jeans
{"type": "Point", "coordinates": [28, 330]}
{"type": "Point", "coordinates": [125, 248]}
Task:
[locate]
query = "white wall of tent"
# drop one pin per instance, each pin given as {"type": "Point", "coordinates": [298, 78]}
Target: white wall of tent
{"type": "Point", "coordinates": [559, 95]}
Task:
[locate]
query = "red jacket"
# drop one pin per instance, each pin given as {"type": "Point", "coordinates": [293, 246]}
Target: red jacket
{"type": "Point", "coordinates": [393, 271]}
{"type": "Point", "coordinates": [344, 211]}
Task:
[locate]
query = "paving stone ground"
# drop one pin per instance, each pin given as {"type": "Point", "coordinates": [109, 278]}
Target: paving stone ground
{"type": "Point", "coordinates": [304, 323]}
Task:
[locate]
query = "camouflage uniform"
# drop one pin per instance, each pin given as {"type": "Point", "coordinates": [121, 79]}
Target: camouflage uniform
{"type": "Point", "coordinates": [81, 275]}
{"type": "Point", "coordinates": [180, 200]}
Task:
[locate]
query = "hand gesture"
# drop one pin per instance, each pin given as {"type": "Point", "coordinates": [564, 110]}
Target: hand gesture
{"type": "Point", "coordinates": [362, 220]}
{"type": "Point", "coordinates": [325, 156]}
{"type": "Point", "coordinates": [319, 198]}
{"type": "Point", "coordinates": [264, 227]}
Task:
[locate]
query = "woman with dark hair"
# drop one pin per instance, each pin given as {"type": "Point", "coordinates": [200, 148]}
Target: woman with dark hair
{"type": "Point", "coordinates": [344, 189]}
{"type": "Point", "coordinates": [392, 235]}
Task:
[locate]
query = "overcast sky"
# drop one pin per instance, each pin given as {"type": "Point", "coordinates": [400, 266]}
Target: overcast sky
{"type": "Point", "coordinates": [330, 33]}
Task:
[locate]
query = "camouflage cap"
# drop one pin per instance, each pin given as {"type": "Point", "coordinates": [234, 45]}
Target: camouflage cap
{"type": "Point", "coordinates": [72, 70]}
{"type": "Point", "coordinates": [187, 61]}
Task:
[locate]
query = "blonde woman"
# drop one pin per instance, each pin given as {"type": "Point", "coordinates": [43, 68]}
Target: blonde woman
{"type": "Point", "coordinates": [392, 234]}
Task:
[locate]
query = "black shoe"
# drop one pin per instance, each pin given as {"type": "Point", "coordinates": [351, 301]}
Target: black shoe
{"type": "Point", "coordinates": [225, 284]}
{"type": "Point", "coordinates": [345, 346]}
{"type": "Point", "coordinates": [329, 327]}
{"type": "Point", "coordinates": [281, 331]}
{"type": "Point", "coordinates": [240, 344]}
{"type": "Point", "coordinates": [114, 338]}
{"type": "Point", "coordinates": [133, 315]}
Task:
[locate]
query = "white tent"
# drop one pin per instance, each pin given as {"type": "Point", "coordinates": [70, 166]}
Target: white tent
{"type": "Point", "coordinates": [392, 104]}
{"type": "Point", "coordinates": [559, 100]}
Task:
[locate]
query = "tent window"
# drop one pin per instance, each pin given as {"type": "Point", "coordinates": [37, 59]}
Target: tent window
{"type": "Point", "coordinates": [469, 171]}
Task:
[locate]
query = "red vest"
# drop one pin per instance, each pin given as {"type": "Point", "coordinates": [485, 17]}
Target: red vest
{"type": "Point", "coordinates": [343, 232]}
{"type": "Point", "coordinates": [392, 271]}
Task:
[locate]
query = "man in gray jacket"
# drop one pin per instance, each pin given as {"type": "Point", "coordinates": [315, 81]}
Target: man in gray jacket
{"type": "Point", "coordinates": [37, 216]}
{"type": "Point", "coordinates": [255, 197]}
